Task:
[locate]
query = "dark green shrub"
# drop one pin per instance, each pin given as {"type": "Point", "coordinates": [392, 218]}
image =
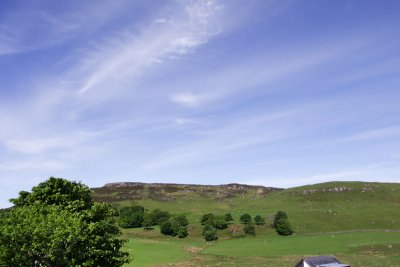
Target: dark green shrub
{"type": "Point", "coordinates": [131, 217]}
{"type": "Point", "coordinates": [207, 219]}
{"type": "Point", "coordinates": [279, 215]}
{"type": "Point", "coordinates": [182, 232]}
{"type": "Point", "coordinates": [181, 220]}
{"type": "Point", "coordinates": [210, 233]}
{"type": "Point", "coordinates": [245, 218]}
{"type": "Point", "coordinates": [166, 228]}
{"type": "Point", "coordinates": [159, 216]}
{"type": "Point", "coordinates": [283, 227]}
{"type": "Point", "coordinates": [259, 220]}
{"type": "Point", "coordinates": [175, 226]}
{"type": "Point", "coordinates": [220, 222]}
{"type": "Point", "coordinates": [228, 217]}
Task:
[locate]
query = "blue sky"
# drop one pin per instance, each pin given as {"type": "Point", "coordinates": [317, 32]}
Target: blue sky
{"type": "Point", "coordinates": [275, 93]}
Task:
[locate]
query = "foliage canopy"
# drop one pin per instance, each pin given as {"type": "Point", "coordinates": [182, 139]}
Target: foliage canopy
{"type": "Point", "coordinates": [245, 218]}
{"type": "Point", "coordinates": [259, 220]}
{"type": "Point", "coordinates": [282, 225]}
{"type": "Point", "coordinates": [58, 224]}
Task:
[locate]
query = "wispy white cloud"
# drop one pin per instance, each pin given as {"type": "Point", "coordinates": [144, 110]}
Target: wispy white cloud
{"type": "Point", "coordinates": [220, 141]}
{"type": "Point", "coordinates": [37, 145]}
{"type": "Point", "coordinates": [183, 121]}
{"type": "Point", "coordinates": [267, 69]}
{"type": "Point", "coordinates": [46, 165]}
{"type": "Point", "coordinates": [39, 28]}
{"type": "Point", "coordinates": [126, 56]}
{"type": "Point", "coordinates": [187, 99]}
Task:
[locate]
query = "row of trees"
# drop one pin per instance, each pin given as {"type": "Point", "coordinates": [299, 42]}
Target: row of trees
{"type": "Point", "coordinates": [211, 223]}
{"type": "Point", "coordinates": [137, 216]}
{"type": "Point", "coordinates": [246, 219]}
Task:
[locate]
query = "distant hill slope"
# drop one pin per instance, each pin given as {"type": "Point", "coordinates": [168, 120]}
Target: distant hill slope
{"type": "Point", "coordinates": [167, 191]}
{"type": "Point", "coordinates": [325, 207]}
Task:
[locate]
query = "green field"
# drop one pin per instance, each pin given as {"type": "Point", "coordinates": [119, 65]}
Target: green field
{"type": "Point", "coordinates": [357, 248]}
{"type": "Point", "coordinates": [359, 223]}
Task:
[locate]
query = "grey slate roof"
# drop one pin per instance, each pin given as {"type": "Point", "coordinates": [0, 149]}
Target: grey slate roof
{"type": "Point", "coordinates": [334, 265]}
{"type": "Point", "coordinates": [319, 260]}
{"type": "Point", "coordinates": [323, 261]}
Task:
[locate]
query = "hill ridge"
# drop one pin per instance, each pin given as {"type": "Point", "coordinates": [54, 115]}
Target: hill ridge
{"type": "Point", "coordinates": [117, 184]}
{"type": "Point", "coordinates": [118, 191]}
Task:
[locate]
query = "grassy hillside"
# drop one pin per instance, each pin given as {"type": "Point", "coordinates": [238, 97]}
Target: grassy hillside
{"type": "Point", "coordinates": [356, 221]}
{"type": "Point", "coordinates": [334, 206]}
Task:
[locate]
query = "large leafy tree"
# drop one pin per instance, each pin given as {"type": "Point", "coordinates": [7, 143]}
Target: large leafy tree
{"type": "Point", "coordinates": [59, 192]}
{"type": "Point", "coordinates": [58, 224]}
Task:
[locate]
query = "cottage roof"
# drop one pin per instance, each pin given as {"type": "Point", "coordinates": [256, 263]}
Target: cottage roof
{"type": "Point", "coordinates": [323, 261]}
{"type": "Point", "coordinates": [334, 265]}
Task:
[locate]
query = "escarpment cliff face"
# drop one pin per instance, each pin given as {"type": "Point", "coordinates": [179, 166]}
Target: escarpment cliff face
{"type": "Point", "coordinates": [165, 192]}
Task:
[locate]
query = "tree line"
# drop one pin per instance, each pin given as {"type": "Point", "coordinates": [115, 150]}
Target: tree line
{"type": "Point", "coordinates": [212, 223]}
{"type": "Point", "coordinates": [137, 216]}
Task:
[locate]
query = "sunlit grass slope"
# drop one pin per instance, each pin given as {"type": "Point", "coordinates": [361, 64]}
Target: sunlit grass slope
{"type": "Point", "coordinates": [356, 221]}
{"type": "Point", "coordinates": [315, 208]}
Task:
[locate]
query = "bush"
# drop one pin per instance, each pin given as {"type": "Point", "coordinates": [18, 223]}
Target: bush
{"type": "Point", "coordinates": [279, 215]}
{"type": "Point", "coordinates": [159, 216]}
{"type": "Point", "coordinates": [207, 219]}
{"type": "Point", "coordinates": [210, 233]}
{"type": "Point", "coordinates": [220, 223]}
{"type": "Point", "coordinates": [245, 218]}
{"type": "Point", "coordinates": [283, 227]}
{"type": "Point", "coordinates": [182, 232]}
{"type": "Point", "coordinates": [281, 224]}
{"type": "Point", "coordinates": [175, 226]}
{"type": "Point", "coordinates": [228, 217]}
{"type": "Point", "coordinates": [131, 217]}
{"type": "Point", "coordinates": [181, 220]}
{"type": "Point", "coordinates": [259, 220]}
{"type": "Point", "coordinates": [166, 228]}
{"type": "Point", "coordinates": [249, 230]}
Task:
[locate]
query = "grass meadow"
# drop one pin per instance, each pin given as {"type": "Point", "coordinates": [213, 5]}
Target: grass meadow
{"type": "Point", "coordinates": [360, 227]}
{"type": "Point", "coordinates": [358, 248]}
